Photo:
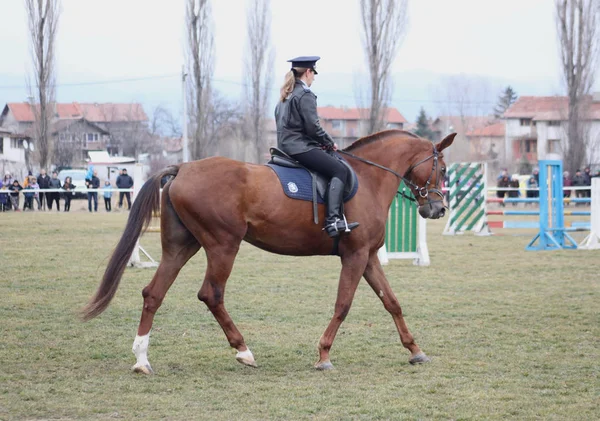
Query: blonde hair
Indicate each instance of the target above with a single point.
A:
(289, 81)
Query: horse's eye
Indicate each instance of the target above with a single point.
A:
(443, 170)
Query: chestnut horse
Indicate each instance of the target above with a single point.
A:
(217, 202)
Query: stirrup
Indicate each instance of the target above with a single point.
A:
(334, 229)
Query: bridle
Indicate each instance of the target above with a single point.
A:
(424, 191)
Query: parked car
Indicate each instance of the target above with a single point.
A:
(78, 178)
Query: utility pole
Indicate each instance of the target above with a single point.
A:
(184, 139)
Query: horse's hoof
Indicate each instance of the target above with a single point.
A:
(144, 369)
(324, 365)
(246, 358)
(420, 358)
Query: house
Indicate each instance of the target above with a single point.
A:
(346, 125)
(14, 152)
(487, 144)
(118, 128)
(536, 128)
(75, 138)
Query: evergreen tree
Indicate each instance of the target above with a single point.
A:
(423, 129)
(505, 100)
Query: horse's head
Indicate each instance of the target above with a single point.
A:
(425, 178)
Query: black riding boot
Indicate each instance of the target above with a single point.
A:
(335, 222)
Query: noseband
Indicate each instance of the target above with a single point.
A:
(424, 191)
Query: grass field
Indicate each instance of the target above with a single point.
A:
(511, 334)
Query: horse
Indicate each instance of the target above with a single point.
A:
(216, 203)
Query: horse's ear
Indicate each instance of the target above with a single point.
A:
(447, 141)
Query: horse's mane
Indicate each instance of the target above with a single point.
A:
(378, 136)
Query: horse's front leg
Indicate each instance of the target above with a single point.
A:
(353, 266)
(376, 278)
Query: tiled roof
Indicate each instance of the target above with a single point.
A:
(335, 113)
(493, 130)
(96, 113)
(547, 108)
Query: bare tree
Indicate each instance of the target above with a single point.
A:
(577, 22)
(42, 16)
(200, 43)
(465, 103)
(384, 26)
(163, 123)
(258, 71)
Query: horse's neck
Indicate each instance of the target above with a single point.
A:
(396, 156)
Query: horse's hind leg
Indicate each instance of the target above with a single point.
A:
(220, 258)
(376, 278)
(178, 246)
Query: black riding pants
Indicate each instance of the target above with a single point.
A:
(325, 164)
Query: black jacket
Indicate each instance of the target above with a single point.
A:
(298, 127)
(93, 183)
(43, 181)
(124, 181)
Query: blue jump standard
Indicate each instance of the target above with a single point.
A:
(553, 234)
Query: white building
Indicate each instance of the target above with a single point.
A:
(12, 153)
(536, 128)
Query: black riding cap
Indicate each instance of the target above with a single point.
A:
(307, 62)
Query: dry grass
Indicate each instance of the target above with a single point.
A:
(512, 334)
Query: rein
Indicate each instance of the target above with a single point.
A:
(422, 191)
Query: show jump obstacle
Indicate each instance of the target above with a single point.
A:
(468, 208)
(405, 232)
(552, 235)
(467, 198)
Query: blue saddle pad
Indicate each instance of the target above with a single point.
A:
(297, 183)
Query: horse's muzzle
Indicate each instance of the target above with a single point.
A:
(432, 210)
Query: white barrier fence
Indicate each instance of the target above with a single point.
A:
(592, 241)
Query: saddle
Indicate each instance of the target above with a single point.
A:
(298, 182)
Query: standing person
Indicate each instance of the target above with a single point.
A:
(36, 196)
(567, 183)
(69, 189)
(7, 181)
(124, 181)
(514, 184)
(26, 180)
(532, 187)
(107, 196)
(503, 183)
(578, 181)
(587, 177)
(54, 196)
(27, 197)
(44, 182)
(300, 135)
(3, 196)
(15, 188)
(93, 183)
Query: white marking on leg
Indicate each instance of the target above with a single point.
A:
(246, 357)
(381, 293)
(140, 349)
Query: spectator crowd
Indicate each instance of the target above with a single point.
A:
(32, 190)
(508, 186)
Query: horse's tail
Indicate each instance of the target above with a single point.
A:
(146, 203)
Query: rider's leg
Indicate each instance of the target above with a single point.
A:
(320, 161)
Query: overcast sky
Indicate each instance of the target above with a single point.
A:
(508, 41)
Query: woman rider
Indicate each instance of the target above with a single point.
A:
(300, 135)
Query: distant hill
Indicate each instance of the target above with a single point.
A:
(412, 90)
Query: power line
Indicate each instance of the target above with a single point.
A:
(100, 82)
(242, 84)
